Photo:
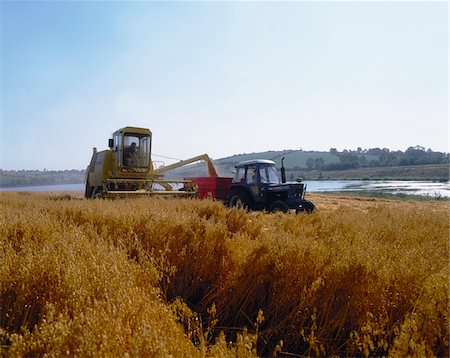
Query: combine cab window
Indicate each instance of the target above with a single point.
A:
(136, 150)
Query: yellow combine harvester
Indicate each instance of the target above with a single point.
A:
(126, 168)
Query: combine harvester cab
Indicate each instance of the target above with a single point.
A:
(126, 168)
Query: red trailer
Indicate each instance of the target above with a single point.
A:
(216, 188)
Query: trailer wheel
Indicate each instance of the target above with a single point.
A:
(279, 206)
(239, 199)
(306, 206)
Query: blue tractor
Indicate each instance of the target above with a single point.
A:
(257, 186)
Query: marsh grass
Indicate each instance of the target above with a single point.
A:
(160, 277)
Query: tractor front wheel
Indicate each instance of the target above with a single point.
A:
(306, 206)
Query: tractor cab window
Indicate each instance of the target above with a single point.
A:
(263, 176)
(239, 175)
(136, 150)
(272, 175)
(251, 174)
(268, 175)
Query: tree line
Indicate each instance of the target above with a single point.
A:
(15, 178)
(376, 157)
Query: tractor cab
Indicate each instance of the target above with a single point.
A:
(132, 149)
(257, 186)
(256, 172)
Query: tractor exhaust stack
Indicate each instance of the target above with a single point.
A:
(283, 171)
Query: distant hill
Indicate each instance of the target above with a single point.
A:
(293, 158)
(375, 163)
(414, 163)
(426, 172)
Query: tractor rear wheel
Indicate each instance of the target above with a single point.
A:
(239, 199)
(279, 206)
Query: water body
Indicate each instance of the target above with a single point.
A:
(59, 187)
(433, 189)
(422, 188)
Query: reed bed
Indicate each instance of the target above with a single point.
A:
(170, 277)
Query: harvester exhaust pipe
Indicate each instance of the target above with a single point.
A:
(283, 171)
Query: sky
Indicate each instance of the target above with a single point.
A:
(220, 78)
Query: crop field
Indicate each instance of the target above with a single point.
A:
(158, 277)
